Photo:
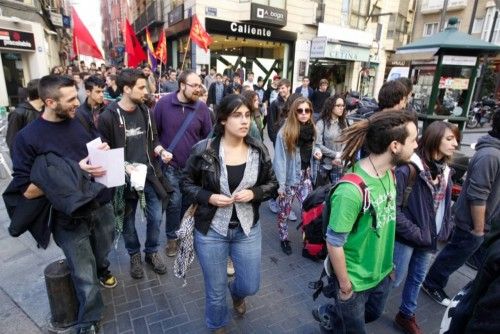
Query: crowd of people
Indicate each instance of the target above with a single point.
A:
(201, 143)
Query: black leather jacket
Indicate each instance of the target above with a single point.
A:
(201, 179)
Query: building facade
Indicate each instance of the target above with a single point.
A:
(35, 36)
(114, 13)
(344, 41)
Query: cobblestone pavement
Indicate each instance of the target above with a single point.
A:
(160, 304)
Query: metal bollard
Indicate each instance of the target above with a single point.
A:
(61, 293)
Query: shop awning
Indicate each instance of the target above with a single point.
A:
(415, 54)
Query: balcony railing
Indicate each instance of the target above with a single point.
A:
(436, 6)
(152, 16)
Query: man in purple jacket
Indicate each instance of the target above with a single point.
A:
(170, 113)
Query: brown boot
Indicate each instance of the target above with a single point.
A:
(407, 324)
(171, 248)
(221, 330)
(238, 303)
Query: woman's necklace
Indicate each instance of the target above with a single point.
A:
(387, 194)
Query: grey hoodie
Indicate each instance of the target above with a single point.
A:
(482, 185)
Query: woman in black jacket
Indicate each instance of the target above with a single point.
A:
(422, 214)
(228, 177)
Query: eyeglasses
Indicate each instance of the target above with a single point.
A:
(303, 111)
(340, 105)
(194, 86)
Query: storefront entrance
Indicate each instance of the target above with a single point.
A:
(14, 76)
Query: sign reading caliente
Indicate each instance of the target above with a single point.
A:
(248, 30)
(244, 28)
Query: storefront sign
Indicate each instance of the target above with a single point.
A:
(18, 40)
(56, 19)
(453, 83)
(176, 15)
(318, 47)
(459, 60)
(270, 15)
(210, 11)
(232, 28)
(346, 52)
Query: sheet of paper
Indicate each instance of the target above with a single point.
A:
(94, 143)
(113, 162)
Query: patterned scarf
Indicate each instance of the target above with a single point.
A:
(438, 190)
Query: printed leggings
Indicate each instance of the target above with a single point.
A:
(300, 191)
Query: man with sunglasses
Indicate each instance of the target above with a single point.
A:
(179, 130)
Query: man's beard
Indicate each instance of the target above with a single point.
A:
(62, 113)
(194, 97)
(398, 158)
(136, 101)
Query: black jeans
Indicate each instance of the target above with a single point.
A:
(462, 245)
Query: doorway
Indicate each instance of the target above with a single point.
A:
(14, 77)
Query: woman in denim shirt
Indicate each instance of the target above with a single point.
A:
(293, 159)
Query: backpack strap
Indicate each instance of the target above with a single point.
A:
(412, 177)
(187, 121)
(366, 207)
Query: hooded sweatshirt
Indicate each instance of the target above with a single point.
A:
(482, 185)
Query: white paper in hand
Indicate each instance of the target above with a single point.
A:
(112, 161)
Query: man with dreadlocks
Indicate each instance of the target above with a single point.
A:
(361, 246)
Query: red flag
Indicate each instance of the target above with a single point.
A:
(83, 43)
(199, 35)
(161, 48)
(133, 48)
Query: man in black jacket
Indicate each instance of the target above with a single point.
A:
(93, 106)
(26, 112)
(129, 124)
(85, 241)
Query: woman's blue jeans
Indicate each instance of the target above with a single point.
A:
(412, 263)
(213, 250)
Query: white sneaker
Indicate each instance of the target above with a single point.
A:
(273, 206)
(292, 217)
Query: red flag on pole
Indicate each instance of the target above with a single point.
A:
(199, 35)
(161, 48)
(133, 48)
(83, 43)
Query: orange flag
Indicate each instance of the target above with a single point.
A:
(199, 35)
(161, 48)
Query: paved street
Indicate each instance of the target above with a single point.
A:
(160, 304)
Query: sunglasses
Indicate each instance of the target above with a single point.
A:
(303, 111)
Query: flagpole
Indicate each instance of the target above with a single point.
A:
(185, 54)
(159, 79)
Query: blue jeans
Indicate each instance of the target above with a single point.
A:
(462, 245)
(153, 222)
(85, 244)
(364, 307)
(410, 263)
(102, 240)
(213, 250)
(176, 206)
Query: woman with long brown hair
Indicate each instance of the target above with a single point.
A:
(329, 127)
(423, 216)
(293, 159)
